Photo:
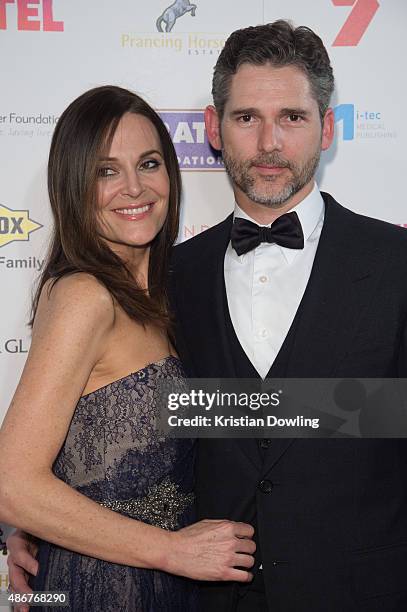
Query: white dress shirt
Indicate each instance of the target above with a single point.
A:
(265, 286)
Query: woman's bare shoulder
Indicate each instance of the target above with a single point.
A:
(76, 296)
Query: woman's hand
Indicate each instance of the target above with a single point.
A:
(212, 550)
(22, 549)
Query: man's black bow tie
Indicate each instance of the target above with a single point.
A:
(286, 231)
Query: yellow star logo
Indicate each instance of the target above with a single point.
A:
(15, 225)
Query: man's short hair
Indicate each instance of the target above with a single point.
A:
(279, 44)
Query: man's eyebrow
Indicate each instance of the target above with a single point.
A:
(294, 111)
(244, 111)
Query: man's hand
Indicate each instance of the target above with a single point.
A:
(21, 563)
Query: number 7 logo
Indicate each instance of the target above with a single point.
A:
(357, 23)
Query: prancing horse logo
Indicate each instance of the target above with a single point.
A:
(174, 12)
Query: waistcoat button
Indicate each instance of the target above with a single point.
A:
(265, 486)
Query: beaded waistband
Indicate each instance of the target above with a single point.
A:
(162, 506)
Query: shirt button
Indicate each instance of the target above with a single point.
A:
(265, 443)
(263, 333)
(265, 486)
(263, 279)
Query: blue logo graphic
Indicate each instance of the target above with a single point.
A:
(365, 121)
(187, 130)
(346, 114)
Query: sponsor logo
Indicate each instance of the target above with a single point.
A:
(15, 225)
(39, 119)
(14, 345)
(166, 38)
(26, 263)
(357, 22)
(28, 15)
(39, 124)
(361, 124)
(177, 9)
(187, 130)
(192, 44)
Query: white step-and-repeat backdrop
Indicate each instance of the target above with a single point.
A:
(53, 50)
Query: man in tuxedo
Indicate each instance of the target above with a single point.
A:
(316, 291)
(294, 285)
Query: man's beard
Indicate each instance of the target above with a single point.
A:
(239, 174)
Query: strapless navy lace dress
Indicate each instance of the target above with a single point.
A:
(114, 455)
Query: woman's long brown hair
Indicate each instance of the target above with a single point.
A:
(83, 132)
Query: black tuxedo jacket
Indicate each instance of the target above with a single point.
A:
(331, 524)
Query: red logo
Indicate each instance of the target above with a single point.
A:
(29, 17)
(357, 23)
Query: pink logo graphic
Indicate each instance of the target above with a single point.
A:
(357, 23)
(28, 17)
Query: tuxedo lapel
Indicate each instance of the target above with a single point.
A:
(337, 293)
(200, 308)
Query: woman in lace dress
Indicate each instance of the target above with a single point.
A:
(84, 468)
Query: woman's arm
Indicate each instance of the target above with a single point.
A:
(69, 335)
